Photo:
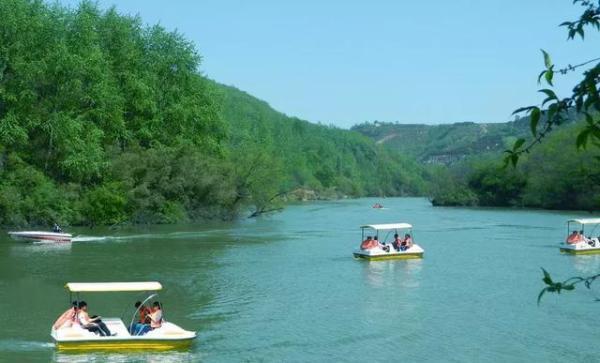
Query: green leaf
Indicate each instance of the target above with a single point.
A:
(547, 60)
(550, 93)
(534, 120)
(548, 76)
(519, 110)
(518, 144)
(540, 296)
(542, 73)
(582, 139)
(514, 159)
(547, 278)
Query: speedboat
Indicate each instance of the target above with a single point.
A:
(383, 249)
(39, 236)
(586, 242)
(72, 337)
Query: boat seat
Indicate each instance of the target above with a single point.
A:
(116, 325)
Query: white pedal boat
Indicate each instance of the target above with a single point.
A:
(587, 243)
(385, 250)
(40, 236)
(72, 337)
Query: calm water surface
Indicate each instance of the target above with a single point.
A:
(286, 288)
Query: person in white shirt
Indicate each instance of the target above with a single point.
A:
(156, 316)
(93, 324)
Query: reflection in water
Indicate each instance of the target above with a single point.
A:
(393, 272)
(26, 249)
(586, 264)
(147, 357)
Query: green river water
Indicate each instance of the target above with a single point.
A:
(285, 288)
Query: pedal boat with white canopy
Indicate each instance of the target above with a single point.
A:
(385, 250)
(588, 242)
(72, 337)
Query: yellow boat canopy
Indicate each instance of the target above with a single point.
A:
(586, 221)
(389, 226)
(113, 286)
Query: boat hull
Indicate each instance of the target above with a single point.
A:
(37, 236)
(389, 253)
(124, 344)
(589, 247)
(404, 256)
(572, 251)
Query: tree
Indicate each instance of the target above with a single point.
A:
(584, 99)
(554, 111)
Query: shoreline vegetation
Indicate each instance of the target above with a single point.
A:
(105, 120)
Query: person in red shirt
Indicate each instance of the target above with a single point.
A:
(144, 314)
(367, 244)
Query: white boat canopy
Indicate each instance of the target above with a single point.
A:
(586, 221)
(113, 286)
(389, 226)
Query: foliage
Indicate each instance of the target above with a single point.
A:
(104, 120)
(305, 155)
(585, 97)
(445, 143)
(567, 285)
(553, 176)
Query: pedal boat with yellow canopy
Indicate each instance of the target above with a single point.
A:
(73, 337)
(589, 241)
(385, 250)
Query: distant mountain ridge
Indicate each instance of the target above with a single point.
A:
(445, 143)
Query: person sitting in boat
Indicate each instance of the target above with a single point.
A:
(406, 243)
(155, 320)
(583, 237)
(397, 244)
(376, 243)
(56, 228)
(93, 324)
(367, 244)
(144, 319)
(574, 238)
(68, 318)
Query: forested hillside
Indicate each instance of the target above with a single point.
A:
(555, 175)
(444, 143)
(105, 120)
(447, 143)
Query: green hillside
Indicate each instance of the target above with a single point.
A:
(445, 143)
(104, 120)
(315, 156)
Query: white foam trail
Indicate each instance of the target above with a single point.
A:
(88, 238)
(13, 345)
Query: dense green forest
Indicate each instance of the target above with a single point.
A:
(465, 167)
(105, 120)
(555, 175)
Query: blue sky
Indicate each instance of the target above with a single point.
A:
(344, 62)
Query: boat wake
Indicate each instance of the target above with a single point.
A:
(13, 345)
(88, 238)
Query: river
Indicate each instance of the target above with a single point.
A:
(285, 287)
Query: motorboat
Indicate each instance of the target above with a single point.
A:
(579, 241)
(374, 247)
(73, 337)
(378, 206)
(40, 236)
